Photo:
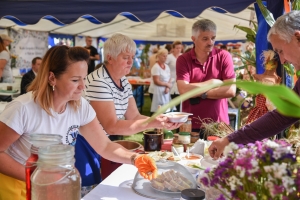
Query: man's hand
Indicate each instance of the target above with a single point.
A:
(217, 147)
(146, 166)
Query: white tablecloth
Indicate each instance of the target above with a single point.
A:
(117, 186)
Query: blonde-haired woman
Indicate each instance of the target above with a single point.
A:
(5, 69)
(160, 85)
(54, 97)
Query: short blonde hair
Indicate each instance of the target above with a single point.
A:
(117, 44)
(162, 51)
(56, 60)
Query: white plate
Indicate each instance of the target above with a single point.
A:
(178, 116)
(165, 191)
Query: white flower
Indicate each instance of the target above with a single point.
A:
(270, 186)
(229, 148)
(272, 144)
(287, 183)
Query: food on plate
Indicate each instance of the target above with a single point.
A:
(194, 165)
(160, 155)
(171, 181)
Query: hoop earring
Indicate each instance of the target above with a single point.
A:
(53, 87)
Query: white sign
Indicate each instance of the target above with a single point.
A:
(28, 45)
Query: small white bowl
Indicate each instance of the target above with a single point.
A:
(193, 157)
(207, 161)
(178, 117)
(188, 165)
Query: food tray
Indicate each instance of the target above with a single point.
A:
(143, 186)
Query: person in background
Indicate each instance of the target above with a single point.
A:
(284, 36)
(93, 53)
(169, 48)
(201, 66)
(5, 69)
(161, 82)
(224, 47)
(152, 58)
(54, 97)
(29, 76)
(171, 62)
(109, 92)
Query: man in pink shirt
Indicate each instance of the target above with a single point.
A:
(201, 66)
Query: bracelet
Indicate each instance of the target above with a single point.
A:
(132, 159)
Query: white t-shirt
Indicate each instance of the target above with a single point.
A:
(164, 75)
(7, 73)
(171, 61)
(26, 117)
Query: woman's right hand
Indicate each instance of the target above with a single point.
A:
(162, 122)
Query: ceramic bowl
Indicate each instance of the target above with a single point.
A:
(178, 117)
(189, 165)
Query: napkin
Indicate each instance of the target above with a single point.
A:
(198, 147)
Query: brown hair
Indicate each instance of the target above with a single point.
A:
(177, 42)
(34, 60)
(56, 60)
(2, 46)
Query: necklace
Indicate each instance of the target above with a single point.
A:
(63, 110)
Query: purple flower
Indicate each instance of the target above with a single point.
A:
(221, 197)
(204, 181)
(207, 170)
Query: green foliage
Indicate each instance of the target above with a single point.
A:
(251, 34)
(266, 13)
(286, 101)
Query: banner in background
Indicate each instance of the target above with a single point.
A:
(28, 45)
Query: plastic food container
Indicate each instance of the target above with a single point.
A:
(184, 137)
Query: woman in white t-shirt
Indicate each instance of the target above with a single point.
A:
(160, 85)
(54, 105)
(171, 61)
(5, 69)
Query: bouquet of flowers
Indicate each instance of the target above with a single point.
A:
(264, 170)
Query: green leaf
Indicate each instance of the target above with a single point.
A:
(296, 5)
(286, 100)
(266, 13)
(289, 69)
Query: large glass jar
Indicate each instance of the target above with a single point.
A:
(37, 141)
(187, 126)
(56, 177)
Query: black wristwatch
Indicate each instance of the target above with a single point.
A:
(204, 95)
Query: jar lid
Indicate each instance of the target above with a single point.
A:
(192, 194)
(212, 138)
(184, 133)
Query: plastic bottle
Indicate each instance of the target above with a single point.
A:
(37, 141)
(56, 177)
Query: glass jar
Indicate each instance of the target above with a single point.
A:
(37, 141)
(175, 139)
(56, 177)
(184, 137)
(194, 137)
(187, 126)
(179, 149)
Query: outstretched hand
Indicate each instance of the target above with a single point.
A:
(217, 147)
(146, 166)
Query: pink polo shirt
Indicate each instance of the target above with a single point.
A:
(219, 65)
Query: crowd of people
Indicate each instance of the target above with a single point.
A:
(53, 91)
